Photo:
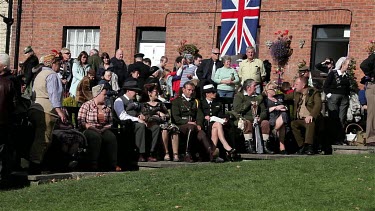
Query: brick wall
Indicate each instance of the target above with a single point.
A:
(3, 26)
(43, 21)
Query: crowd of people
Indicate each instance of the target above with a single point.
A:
(183, 106)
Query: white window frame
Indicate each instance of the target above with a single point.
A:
(72, 42)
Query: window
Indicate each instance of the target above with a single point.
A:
(331, 41)
(79, 39)
(151, 42)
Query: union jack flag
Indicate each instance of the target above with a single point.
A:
(239, 24)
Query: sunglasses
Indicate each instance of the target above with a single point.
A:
(67, 53)
(216, 53)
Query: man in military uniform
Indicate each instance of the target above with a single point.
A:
(307, 104)
(188, 116)
(215, 119)
(250, 106)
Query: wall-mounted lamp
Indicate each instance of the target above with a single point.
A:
(301, 43)
(269, 43)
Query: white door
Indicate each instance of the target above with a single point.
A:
(153, 51)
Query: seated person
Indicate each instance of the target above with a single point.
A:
(156, 113)
(213, 108)
(188, 116)
(106, 77)
(251, 107)
(95, 118)
(307, 104)
(127, 109)
(278, 116)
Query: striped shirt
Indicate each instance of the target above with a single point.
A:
(187, 70)
(88, 114)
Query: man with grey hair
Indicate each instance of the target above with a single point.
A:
(206, 70)
(252, 68)
(6, 109)
(250, 107)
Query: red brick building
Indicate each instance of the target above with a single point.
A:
(326, 27)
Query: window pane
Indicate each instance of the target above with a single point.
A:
(88, 38)
(330, 32)
(153, 35)
(333, 50)
(96, 36)
(78, 40)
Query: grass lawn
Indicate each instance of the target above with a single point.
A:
(340, 182)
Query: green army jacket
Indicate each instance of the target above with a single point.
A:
(313, 102)
(242, 105)
(183, 110)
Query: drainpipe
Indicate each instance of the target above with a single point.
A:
(118, 27)
(18, 33)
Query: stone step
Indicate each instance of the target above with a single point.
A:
(268, 156)
(342, 149)
(166, 164)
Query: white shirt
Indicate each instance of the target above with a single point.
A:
(120, 110)
(187, 99)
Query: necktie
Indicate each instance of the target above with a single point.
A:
(213, 71)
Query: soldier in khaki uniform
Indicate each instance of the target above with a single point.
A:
(245, 104)
(307, 104)
(188, 116)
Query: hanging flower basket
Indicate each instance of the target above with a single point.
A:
(185, 48)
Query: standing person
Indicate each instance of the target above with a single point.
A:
(94, 60)
(84, 93)
(144, 70)
(304, 71)
(161, 67)
(119, 67)
(188, 70)
(80, 69)
(226, 77)
(30, 62)
(307, 107)
(7, 105)
(326, 66)
(147, 61)
(66, 70)
(176, 75)
(337, 89)
(96, 119)
(46, 109)
(207, 69)
(368, 68)
(252, 68)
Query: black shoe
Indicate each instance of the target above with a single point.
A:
(309, 149)
(283, 152)
(188, 158)
(266, 148)
(249, 146)
(34, 169)
(301, 150)
(218, 160)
